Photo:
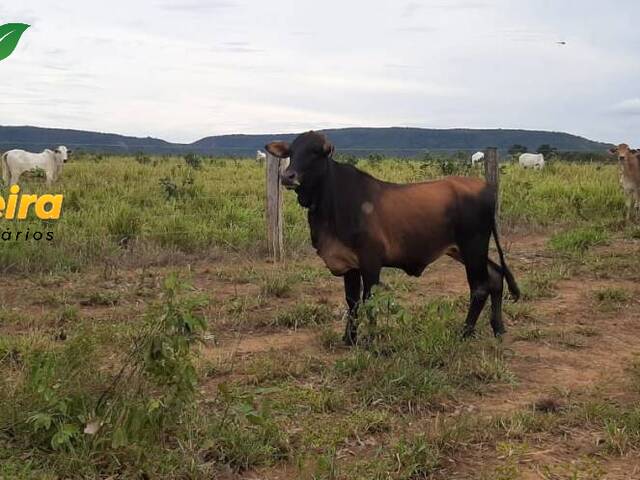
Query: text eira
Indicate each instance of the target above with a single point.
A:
(46, 207)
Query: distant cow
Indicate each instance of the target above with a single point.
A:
(629, 165)
(260, 156)
(16, 162)
(532, 160)
(360, 224)
(477, 157)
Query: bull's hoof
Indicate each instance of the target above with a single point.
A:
(350, 339)
(468, 332)
(500, 333)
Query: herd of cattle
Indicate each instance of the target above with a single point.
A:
(360, 224)
(526, 160)
(16, 162)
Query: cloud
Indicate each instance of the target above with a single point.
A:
(410, 9)
(199, 6)
(417, 29)
(460, 5)
(629, 107)
(237, 47)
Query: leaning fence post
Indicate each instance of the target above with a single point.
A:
(492, 175)
(274, 209)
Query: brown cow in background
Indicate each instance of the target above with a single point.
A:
(360, 224)
(629, 164)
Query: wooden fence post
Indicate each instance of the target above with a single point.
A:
(492, 175)
(274, 209)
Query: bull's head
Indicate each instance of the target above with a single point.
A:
(62, 153)
(309, 155)
(622, 151)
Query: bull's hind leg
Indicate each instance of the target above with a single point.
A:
(496, 286)
(352, 287)
(475, 256)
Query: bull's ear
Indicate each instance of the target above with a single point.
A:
(278, 149)
(634, 151)
(328, 148)
(613, 150)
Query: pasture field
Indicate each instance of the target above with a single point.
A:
(152, 339)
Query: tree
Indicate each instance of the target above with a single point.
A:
(517, 149)
(546, 150)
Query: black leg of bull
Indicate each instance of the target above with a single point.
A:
(352, 287)
(370, 277)
(496, 285)
(478, 298)
(475, 255)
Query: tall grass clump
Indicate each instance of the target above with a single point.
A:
(561, 194)
(578, 241)
(418, 357)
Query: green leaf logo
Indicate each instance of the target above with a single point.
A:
(10, 34)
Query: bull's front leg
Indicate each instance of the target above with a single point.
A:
(370, 277)
(352, 287)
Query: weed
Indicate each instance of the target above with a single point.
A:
(611, 298)
(98, 298)
(192, 160)
(534, 334)
(276, 286)
(578, 241)
(142, 158)
(304, 315)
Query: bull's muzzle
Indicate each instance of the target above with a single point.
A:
(289, 179)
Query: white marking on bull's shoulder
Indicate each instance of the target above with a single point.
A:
(367, 207)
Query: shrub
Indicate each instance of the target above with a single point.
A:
(142, 158)
(192, 160)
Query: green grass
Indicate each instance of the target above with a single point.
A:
(578, 241)
(611, 298)
(118, 208)
(397, 399)
(303, 315)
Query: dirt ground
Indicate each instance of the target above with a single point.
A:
(568, 346)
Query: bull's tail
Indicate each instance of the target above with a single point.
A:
(511, 281)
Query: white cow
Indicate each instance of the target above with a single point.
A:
(532, 160)
(16, 162)
(477, 157)
(261, 156)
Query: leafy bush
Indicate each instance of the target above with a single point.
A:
(192, 160)
(63, 404)
(142, 158)
(182, 188)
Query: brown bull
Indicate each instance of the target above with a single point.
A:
(360, 224)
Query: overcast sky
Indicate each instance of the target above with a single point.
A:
(181, 70)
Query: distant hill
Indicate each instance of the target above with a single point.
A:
(36, 139)
(391, 141)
